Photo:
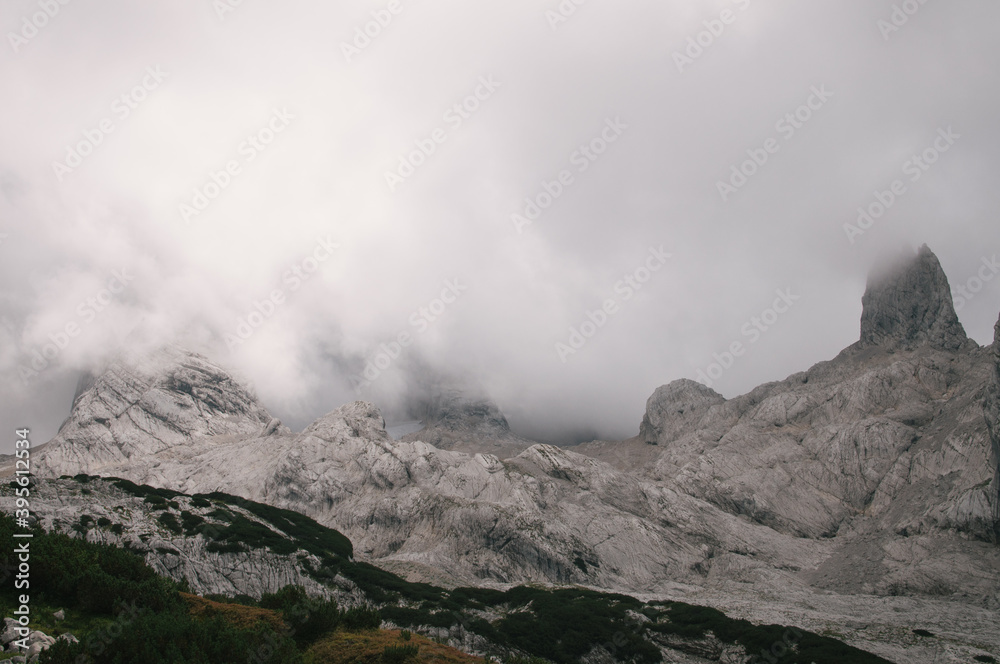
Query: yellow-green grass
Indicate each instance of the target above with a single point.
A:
(367, 648)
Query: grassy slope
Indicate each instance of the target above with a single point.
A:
(368, 648)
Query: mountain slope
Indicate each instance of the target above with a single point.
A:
(564, 625)
(884, 451)
(458, 423)
(874, 473)
(150, 404)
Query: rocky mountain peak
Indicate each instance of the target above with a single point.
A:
(674, 407)
(910, 305)
(462, 421)
(458, 410)
(359, 419)
(147, 402)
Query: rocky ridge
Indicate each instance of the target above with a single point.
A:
(874, 473)
(885, 452)
(457, 422)
(163, 403)
(992, 414)
(105, 513)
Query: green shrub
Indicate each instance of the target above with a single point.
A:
(405, 635)
(142, 491)
(104, 522)
(306, 533)
(361, 619)
(169, 521)
(90, 577)
(192, 522)
(417, 617)
(284, 599)
(310, 618)
(176, 636)
(225, 547)
(564, 625)
(382, 586)
(396, 654)
(153, 625)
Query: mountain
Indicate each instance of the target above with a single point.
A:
(884, 452)
(456, 422)
(872, 476)
(161, 403)
(279, 578)
(909, 304)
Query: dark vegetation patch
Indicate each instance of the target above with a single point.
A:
(151, 619)
(560, 625)
(169, 521)
(318, 540)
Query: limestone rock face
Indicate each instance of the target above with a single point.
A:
(456, 422)
(911, 305)
(673, 408)
(545, 515)
(887, 445)
(992, 412)
(131, 522)
(146, 405)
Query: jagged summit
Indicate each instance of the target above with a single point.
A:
(144, 403)
(455, 420)
(675, 408)
(910, 305)
(455, 409)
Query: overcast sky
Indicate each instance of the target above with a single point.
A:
(166, 167)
